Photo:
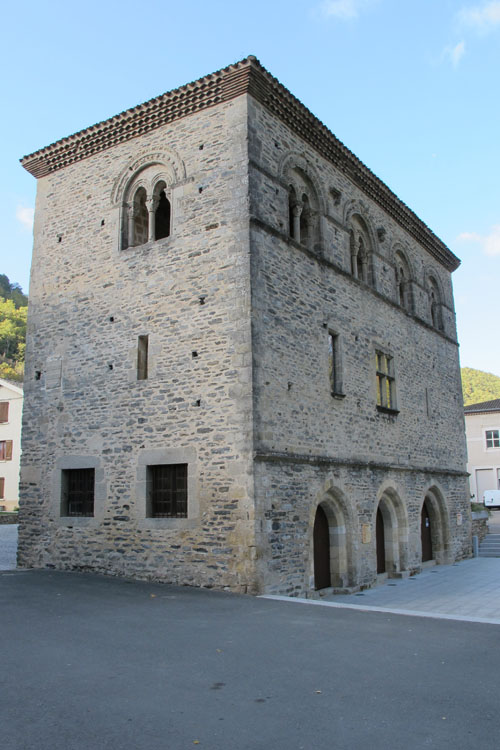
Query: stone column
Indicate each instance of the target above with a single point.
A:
(151, 206)
(297, 210)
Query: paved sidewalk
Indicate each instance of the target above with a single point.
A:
(8, 546)
(469, 590)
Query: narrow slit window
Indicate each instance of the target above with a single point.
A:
(334, 364)
(142, 358)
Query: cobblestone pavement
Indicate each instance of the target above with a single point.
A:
(8, 546)
(468, 590)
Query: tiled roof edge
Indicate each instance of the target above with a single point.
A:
(245, 76)
(484, 406)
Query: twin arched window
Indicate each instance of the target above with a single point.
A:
(147, 212)
(302, 209)
(360, 250)
(403, 282)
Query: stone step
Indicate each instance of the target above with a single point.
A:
(490, 546)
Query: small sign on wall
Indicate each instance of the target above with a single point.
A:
(366, 533)
(459, 519)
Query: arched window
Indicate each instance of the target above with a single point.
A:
(139, 233)
(162, 212)
(435, 304)
(361, 251)
(146, 207)
(293, 214)
(403, 282)
(303, 221)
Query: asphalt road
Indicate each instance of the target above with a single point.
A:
(95, 662)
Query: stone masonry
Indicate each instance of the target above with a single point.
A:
(302, 360)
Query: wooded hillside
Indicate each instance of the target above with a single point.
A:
(478, 386)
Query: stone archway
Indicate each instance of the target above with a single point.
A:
(331, 541)
(391, 537)
(434, 509)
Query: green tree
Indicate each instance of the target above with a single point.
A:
(12, 339)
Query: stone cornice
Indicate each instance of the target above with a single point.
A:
(311, 460)
(244, 77)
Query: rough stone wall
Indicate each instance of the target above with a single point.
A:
(344, 446)
(89, 302)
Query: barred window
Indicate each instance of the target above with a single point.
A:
(77, 492)
(386, 386)
(167, 490)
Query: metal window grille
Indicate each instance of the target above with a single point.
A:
(78, 492)
(168, 483)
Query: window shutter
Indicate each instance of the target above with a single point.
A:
(8, 450)
(2, 488)
(4, 411)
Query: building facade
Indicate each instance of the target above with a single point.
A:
(242, 349)
(482, 426)
(11, 409)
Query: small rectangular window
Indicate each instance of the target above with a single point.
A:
(4, 411)
(77, 492)
(5, 450)
(386, 385)
(492, 438)
(167, 490)
(142, 358)
(335, 364)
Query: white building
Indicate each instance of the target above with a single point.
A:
(11, 409)
(482, 424)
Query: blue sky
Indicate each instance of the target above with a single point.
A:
(411, 86)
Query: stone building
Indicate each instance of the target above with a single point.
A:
(242, 365)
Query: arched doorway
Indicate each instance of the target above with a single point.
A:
(426, 533)
(380, 541)
(391, 533)
(435, 527)
(321, 545)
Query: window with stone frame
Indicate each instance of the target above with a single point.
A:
(386, 382)
(492, 438)
(142, 357)
(167, 491)
(77, 492)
